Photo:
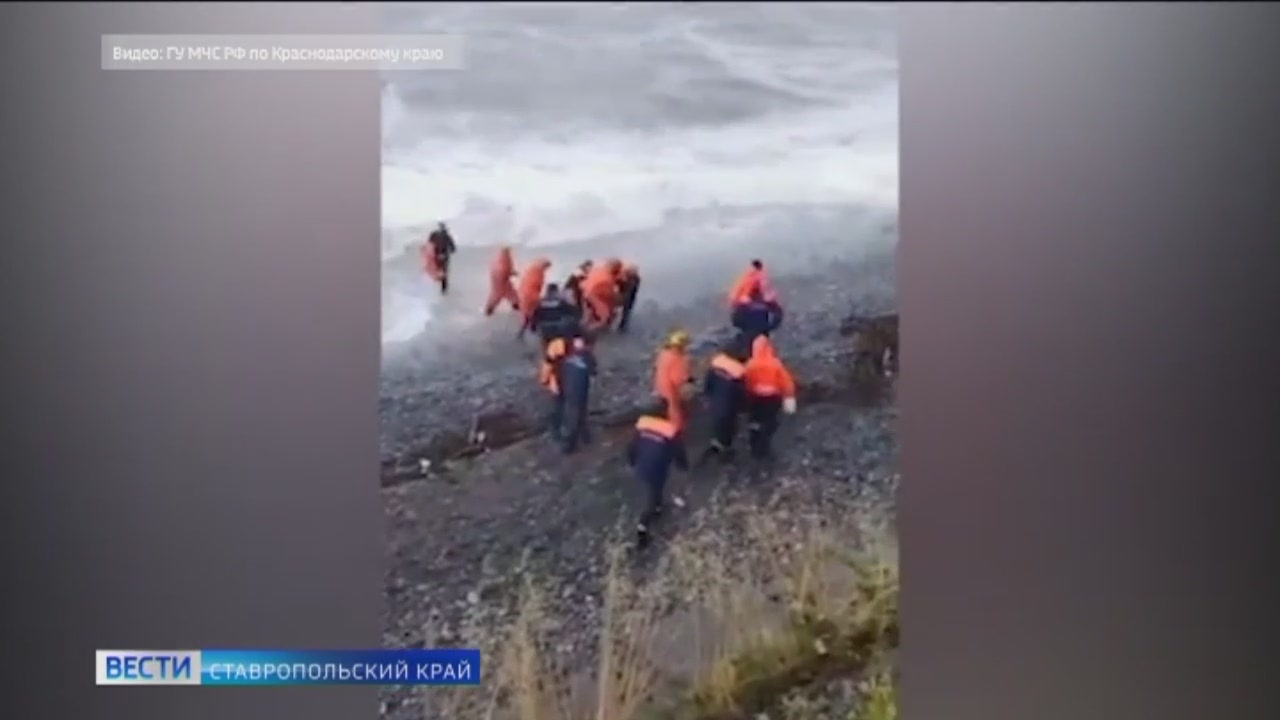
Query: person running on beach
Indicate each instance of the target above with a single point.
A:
(436, 253)
(530, 292)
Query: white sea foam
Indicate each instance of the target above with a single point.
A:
(826, 133)
(542, 193)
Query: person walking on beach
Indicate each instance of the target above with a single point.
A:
(530, 292)
(656, 446)
(673, 378)
(725, 388)
(500, 287)
(576, 369)
(771, 392)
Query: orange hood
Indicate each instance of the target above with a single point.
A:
(538, 267)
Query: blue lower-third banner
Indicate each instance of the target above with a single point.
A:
(448, 666)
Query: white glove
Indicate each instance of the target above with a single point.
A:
(789, 406)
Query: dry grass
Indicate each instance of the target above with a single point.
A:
(748, 615)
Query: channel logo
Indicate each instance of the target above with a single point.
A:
(148, 667)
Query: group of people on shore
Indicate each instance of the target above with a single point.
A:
(744, 377)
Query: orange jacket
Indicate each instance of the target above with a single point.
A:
(671, 372)
(601, 283)
(531, 284)
(766, 376)
(749, 281)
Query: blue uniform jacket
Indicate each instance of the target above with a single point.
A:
(554, 317)
(656, 446)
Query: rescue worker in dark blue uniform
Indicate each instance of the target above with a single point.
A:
(576, 370)
(725, 388)
(756, 317)
(655, 447)
(555, 317)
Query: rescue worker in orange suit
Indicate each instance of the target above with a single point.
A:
(757, 316)
(600, 291)
(628, 288)
(673, 377)
(771, 392)
(656, 446)
(572, 365)
(530, 293)
(555, 317)
(573, 285)
(436, 253)
(725, 389)
(500, 287)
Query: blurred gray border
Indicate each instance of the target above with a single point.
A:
(1086, 227)
(194, 265)
(1086, 249)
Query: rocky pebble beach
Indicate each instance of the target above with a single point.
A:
(477, 499)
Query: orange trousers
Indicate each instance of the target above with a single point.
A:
(501, 289)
